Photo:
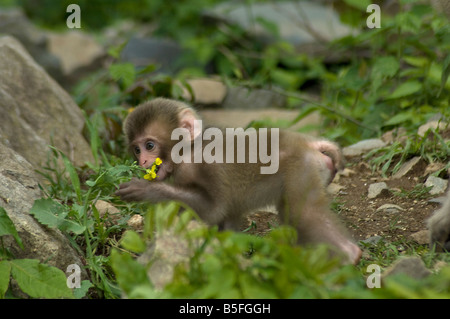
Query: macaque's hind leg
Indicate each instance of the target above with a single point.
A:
(439, 226)
(306, 207)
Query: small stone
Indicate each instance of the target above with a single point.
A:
(406, 167)
(136, 222)
(206, 91)
(435, 125)
(346, 172)
(390, 208)
(438, 185)
(372, 240)
(438, 200)
(363, 147)
(106, 208)
(421, 237)
(377, 189)
(413, 267)
(434, 167)
(334, 188)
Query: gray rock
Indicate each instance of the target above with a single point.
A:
(144, 51)
(18, 191)
(372, 240)
(244, 98)
(421, 237)
(413, 267)
(363, 147)
(432, 125)
(36, 111)
(297, 22)
(13, 22)
(390, 208)
(406, 167)
(438, 185)
(377, 189)
(206, 91)
(78, 52)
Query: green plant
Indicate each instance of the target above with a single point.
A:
(36, 279)
(431, 147)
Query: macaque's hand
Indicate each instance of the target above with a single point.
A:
(138, 190)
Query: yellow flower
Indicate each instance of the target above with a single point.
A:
(151, 172)
(150, 175)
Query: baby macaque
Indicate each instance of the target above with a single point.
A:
(439, 227)
(223, 174)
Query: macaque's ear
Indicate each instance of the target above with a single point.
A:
(187, 118)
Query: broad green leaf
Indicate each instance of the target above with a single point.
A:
(53, 214)
(385, 67)
(419, 62)
(399, 118)
(39, 280)
(123, 71)
(82, 291)
(7, 227)
(5, 272)
(129, 272)
(133, 242)
(405, 89)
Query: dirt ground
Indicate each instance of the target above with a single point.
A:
(360, 213)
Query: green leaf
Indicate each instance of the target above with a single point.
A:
(7, 227)
(82, 291)
(72, 173)
(385, 67)
(358, 4)
(115, 51)
(445, 73)
(405, 89)
(129, 272)
(5, 273)
(53, 214)
(133, 242)
(419, 62)
(123, 71)
(399, 118)
(39, 280)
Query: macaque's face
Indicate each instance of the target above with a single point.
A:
(149, 146)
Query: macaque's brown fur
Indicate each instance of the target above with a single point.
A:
(439, 227)
(222, 193)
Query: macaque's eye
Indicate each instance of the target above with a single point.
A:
(137, 150)
(149, 146)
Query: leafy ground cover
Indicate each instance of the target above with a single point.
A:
(392, 77)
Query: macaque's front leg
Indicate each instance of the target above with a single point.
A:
(142, 190)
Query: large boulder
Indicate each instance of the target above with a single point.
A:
(14, 22)
(18, 191)
(36, 111)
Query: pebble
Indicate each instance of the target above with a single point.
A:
(377, 189)
(390, 208)
(439, 185)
